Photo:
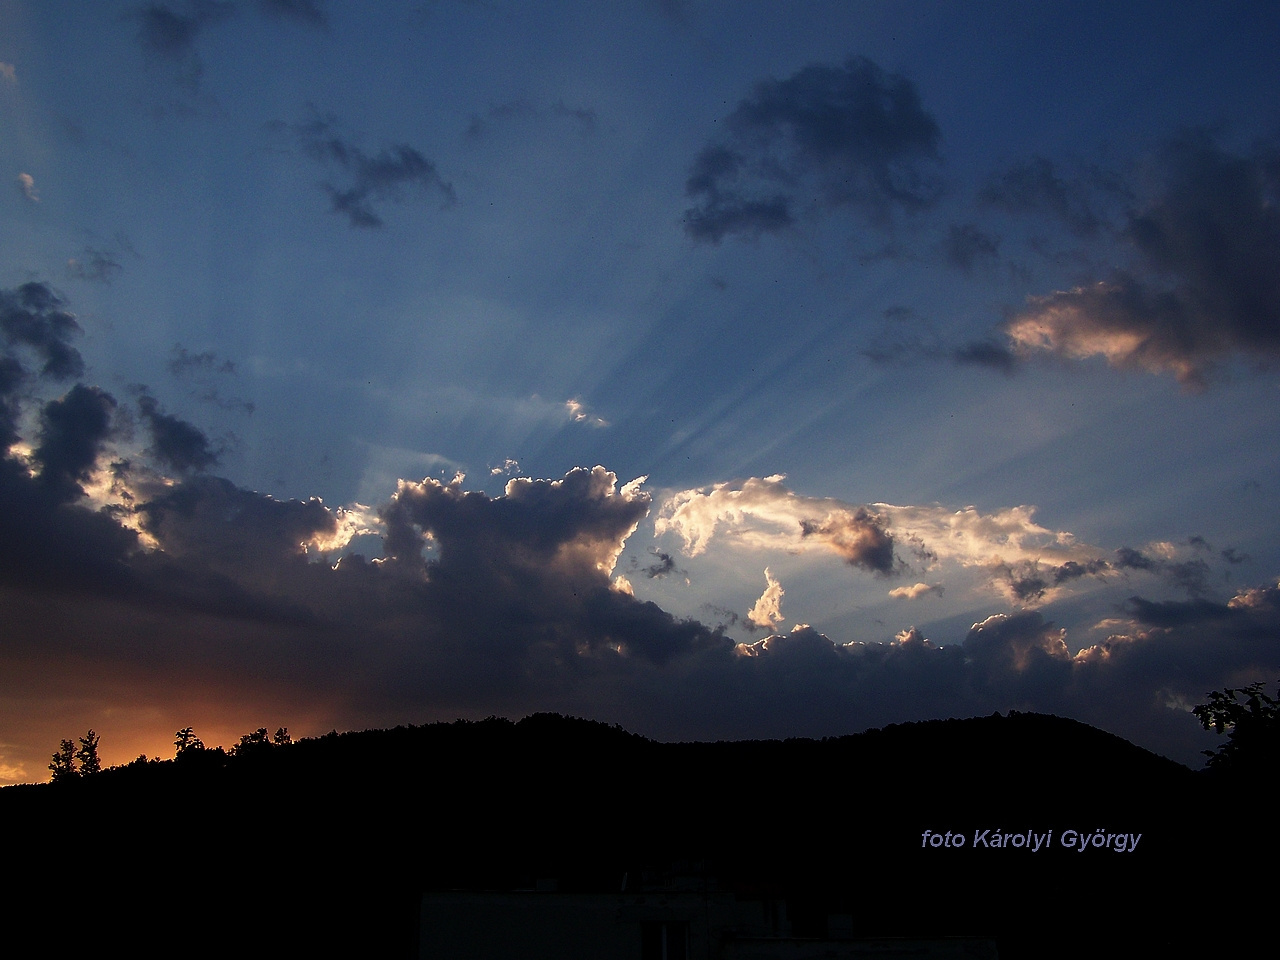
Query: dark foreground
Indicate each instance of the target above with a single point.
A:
(366, 844)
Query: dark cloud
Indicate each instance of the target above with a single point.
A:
(1206, 280)
(33, 316)
(906, 339)
(860, 537)
(382, 177)
(204, 370)
(1028, 582)
(176, 443)
(184, 363)
(73, 430)
(169, 37)
(850, 136)
(573, 525)
(101, 264)
(97, 266)
(967, 247)
(234, 531)
(986, 353)
(665, 564)
(1018, 650)
(164, 31)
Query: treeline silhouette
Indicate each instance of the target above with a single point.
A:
(324, 845)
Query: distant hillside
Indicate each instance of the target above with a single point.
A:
(330, 841)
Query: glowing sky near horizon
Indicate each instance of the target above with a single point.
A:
(720, 369)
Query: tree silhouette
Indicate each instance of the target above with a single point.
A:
(253, 744)
(88, 755)
(64, 763)
(1251, 720)
(186, 739)
(282, 738)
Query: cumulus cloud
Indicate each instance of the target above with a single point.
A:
(369, 179)
(1205, 282)
(237, 533)
(574, 528)
(850, 136)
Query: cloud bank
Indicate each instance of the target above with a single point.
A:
(134, 575)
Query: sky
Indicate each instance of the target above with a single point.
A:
(721, 369)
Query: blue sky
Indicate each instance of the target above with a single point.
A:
(958, 320)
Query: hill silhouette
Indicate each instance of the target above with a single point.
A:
(325, 845)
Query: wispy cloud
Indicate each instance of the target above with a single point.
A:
(369, 180)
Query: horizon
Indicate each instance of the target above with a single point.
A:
(705, 369)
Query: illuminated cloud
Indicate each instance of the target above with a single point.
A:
(915, 591)
(579, 413)
(846, 136)
(508, 467)
(761, 513)
(767, 611)
(1206, 282)
(8, 73)
(27, 187)
(1020, 560)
